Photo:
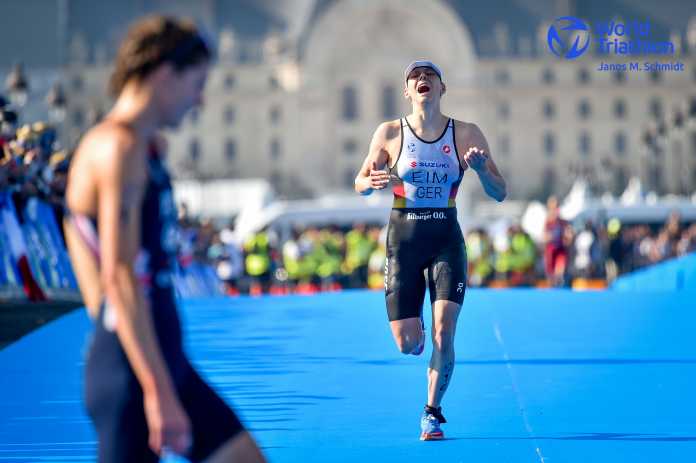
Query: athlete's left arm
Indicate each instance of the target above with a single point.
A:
(474, 151)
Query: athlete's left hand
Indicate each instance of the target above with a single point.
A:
(476, 158)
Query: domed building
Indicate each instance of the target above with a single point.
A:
(300, 86)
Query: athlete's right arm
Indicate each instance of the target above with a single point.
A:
(120, 185)
(371, 175)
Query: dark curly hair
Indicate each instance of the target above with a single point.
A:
(153, 41)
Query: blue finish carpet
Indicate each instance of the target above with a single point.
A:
(541, 376)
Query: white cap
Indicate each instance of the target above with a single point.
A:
(422, 64)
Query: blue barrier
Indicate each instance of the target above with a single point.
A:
(45, 217)
(197, 280)
(672, 275)
(43, 245)
(47, 254)
(10, 280)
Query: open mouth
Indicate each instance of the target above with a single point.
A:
(423, 88)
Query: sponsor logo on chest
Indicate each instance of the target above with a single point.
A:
(430, 164)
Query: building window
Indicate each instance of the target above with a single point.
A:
(656, 108)
(194, 150)
(620, 180)
(584, 144)
(655, 77)
(275, 115)
(693, 144)
(230, 149)
(549, 144)
(275, 149)
(273, 83)
(194, 115)
(584, 109)
(620, 77)
(94, 115)
(620, 144)
(276, 178)
(78, 84)
(504, 145)
(548, 109)
(620, 109)
(229, 115)
(349, 178)
(350, 147)
(502, 76)
(78, 117)
(548, 76)
(230, 81)
(503, 111)
(549, 182)
(349, 108)
(583, 76)
(655, 178)
(389, 110)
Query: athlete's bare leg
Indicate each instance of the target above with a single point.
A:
(407, 334)
(445, 315)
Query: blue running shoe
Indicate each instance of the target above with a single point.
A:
(421, 346)
(430, 424)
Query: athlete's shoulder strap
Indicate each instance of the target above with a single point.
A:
(401, 145)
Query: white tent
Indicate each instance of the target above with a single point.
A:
(533, 220)
(631, 207)
(633, 194)
(340, 209)
(223, 198)
(577, 200)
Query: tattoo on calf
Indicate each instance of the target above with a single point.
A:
(447, 374)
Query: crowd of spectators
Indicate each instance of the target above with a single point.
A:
(599, 252)
(311, 259)
(330, 257)
(32, 164)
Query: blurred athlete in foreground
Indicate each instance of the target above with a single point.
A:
(142, 394)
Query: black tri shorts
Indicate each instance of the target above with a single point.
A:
(423, 246)
(114, 398)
